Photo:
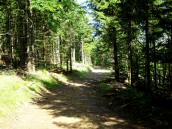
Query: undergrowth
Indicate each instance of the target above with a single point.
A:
(79, 72)
(16, 90)
(136, 106)
(17, 87)
(127, 99)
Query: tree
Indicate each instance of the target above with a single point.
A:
(143, 37)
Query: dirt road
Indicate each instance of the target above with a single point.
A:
(75, 105)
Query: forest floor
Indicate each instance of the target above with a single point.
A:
(75, 105)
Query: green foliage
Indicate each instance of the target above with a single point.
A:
(43, 78)
(105, 88)
(100, 50)
(15, 90)
(143, 40)
(126, 100)
(50, 5)
(80, 71)
(134, 103)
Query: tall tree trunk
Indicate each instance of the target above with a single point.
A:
(136, 68)
(53, 58)
(154, 64)
(147, 56)
(8, 43)
(23, 32)
(82, 52)
(60, 51)
(130, 58)
(31, 39)
(164, 66)
(170, 63)
(70, 58)
(115, 54)
(44, 51)
(67, 64)
(74, 53)
(170, 75)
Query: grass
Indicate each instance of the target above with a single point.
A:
(15, 90)
(105, 87)
(42, 79)
(80, 71)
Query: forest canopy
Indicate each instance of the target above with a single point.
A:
(74, 54)
(132, 37)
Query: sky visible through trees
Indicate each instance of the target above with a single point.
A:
(81, 1)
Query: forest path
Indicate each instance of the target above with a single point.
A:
(76, 105)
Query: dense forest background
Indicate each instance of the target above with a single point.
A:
(131, 38)
(43, 34)
(134, 37)
(138, 35)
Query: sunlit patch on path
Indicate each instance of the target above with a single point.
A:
(76, 105)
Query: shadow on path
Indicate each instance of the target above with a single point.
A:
(78, 105)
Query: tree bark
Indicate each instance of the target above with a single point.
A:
(31, 40)
(82, 52)
(115, 54)
(170, 54)
(60, 51)
(67, 64)
(147, 56)
(130, 57)
(70, 58)
(154, 64)
(23, 32)
(8, 43)
(74, 53)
